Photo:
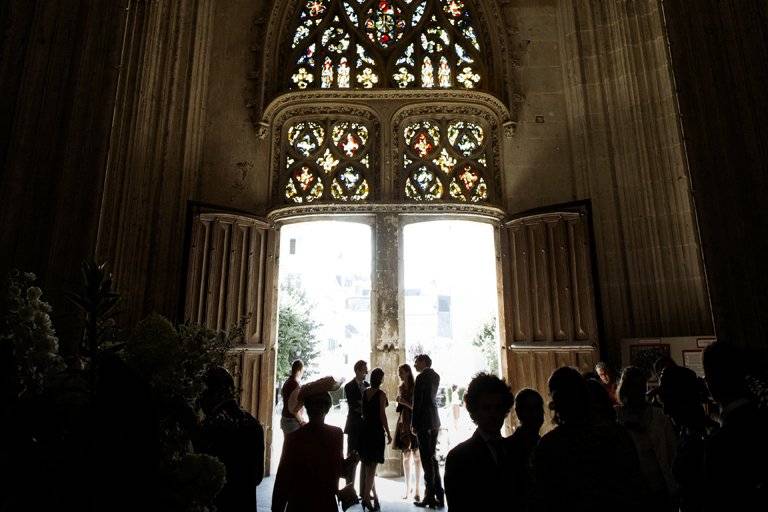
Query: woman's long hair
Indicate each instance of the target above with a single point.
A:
(408, 382)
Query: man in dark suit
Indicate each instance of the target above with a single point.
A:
(353, 392)
(425, 422)
(234, 437)
(478, 472)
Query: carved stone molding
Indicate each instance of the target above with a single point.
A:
(423, 209)
(404, 96)
(530, 220)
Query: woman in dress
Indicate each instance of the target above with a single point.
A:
(372, 437)
(311, 463)
(291, 421)
(405, 439)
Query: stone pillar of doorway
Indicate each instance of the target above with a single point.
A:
(387, 346)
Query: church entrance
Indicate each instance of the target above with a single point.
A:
(384, 282)
(324, 308)
(451, 310)
(439, 278)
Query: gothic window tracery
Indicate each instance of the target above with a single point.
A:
(443, 150)
(365, 44)
(326, 160)
(445, 159)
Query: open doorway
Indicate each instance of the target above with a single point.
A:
(451, 311)
(324, 314)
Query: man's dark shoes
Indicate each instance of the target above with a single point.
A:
(425, 503)
(439, 503)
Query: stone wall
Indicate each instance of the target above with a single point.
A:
(598, 121)
(628, 159)
(538, 169)
(234, 171)
(720, 55)
(59, 69)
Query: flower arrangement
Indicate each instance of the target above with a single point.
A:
(57, 406)
(27, 337)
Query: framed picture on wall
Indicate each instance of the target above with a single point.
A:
(643, 355)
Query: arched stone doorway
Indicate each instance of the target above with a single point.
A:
(341, 144)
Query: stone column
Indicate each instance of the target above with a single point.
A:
(155, 151)
(629, 159)
(387, 349)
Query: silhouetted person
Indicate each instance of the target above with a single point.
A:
(426, 423)
(529, 409)
(311, 464)
(579, 466)
(353, 392)
(680, 396)
(234, 437)
(478, 472)
(371, 448)
(659, 365)
(653, 435)
(124, 437)
(608, 379)
(736, 456)
(290, 421)
(601, 406)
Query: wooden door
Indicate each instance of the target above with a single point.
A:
(549, 315)
(231, 279)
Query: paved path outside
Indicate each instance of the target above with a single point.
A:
(390, 491)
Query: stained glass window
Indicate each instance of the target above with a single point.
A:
(327, 160)
(344, 44)
(445, 160)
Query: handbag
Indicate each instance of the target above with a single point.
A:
(347, 496)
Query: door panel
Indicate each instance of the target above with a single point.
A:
(230, 280)
(550, 317)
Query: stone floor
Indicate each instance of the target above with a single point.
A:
(390, 493)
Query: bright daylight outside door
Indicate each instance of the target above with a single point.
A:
(324, 300)
(451, 311)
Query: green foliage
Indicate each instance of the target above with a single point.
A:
(296, 337)
(173, 359)
(192, 482)
(97, 303)
(169, 363)
(488, 343)
(27, 338)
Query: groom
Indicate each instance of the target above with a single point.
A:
(353, 392)
(425, 422)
